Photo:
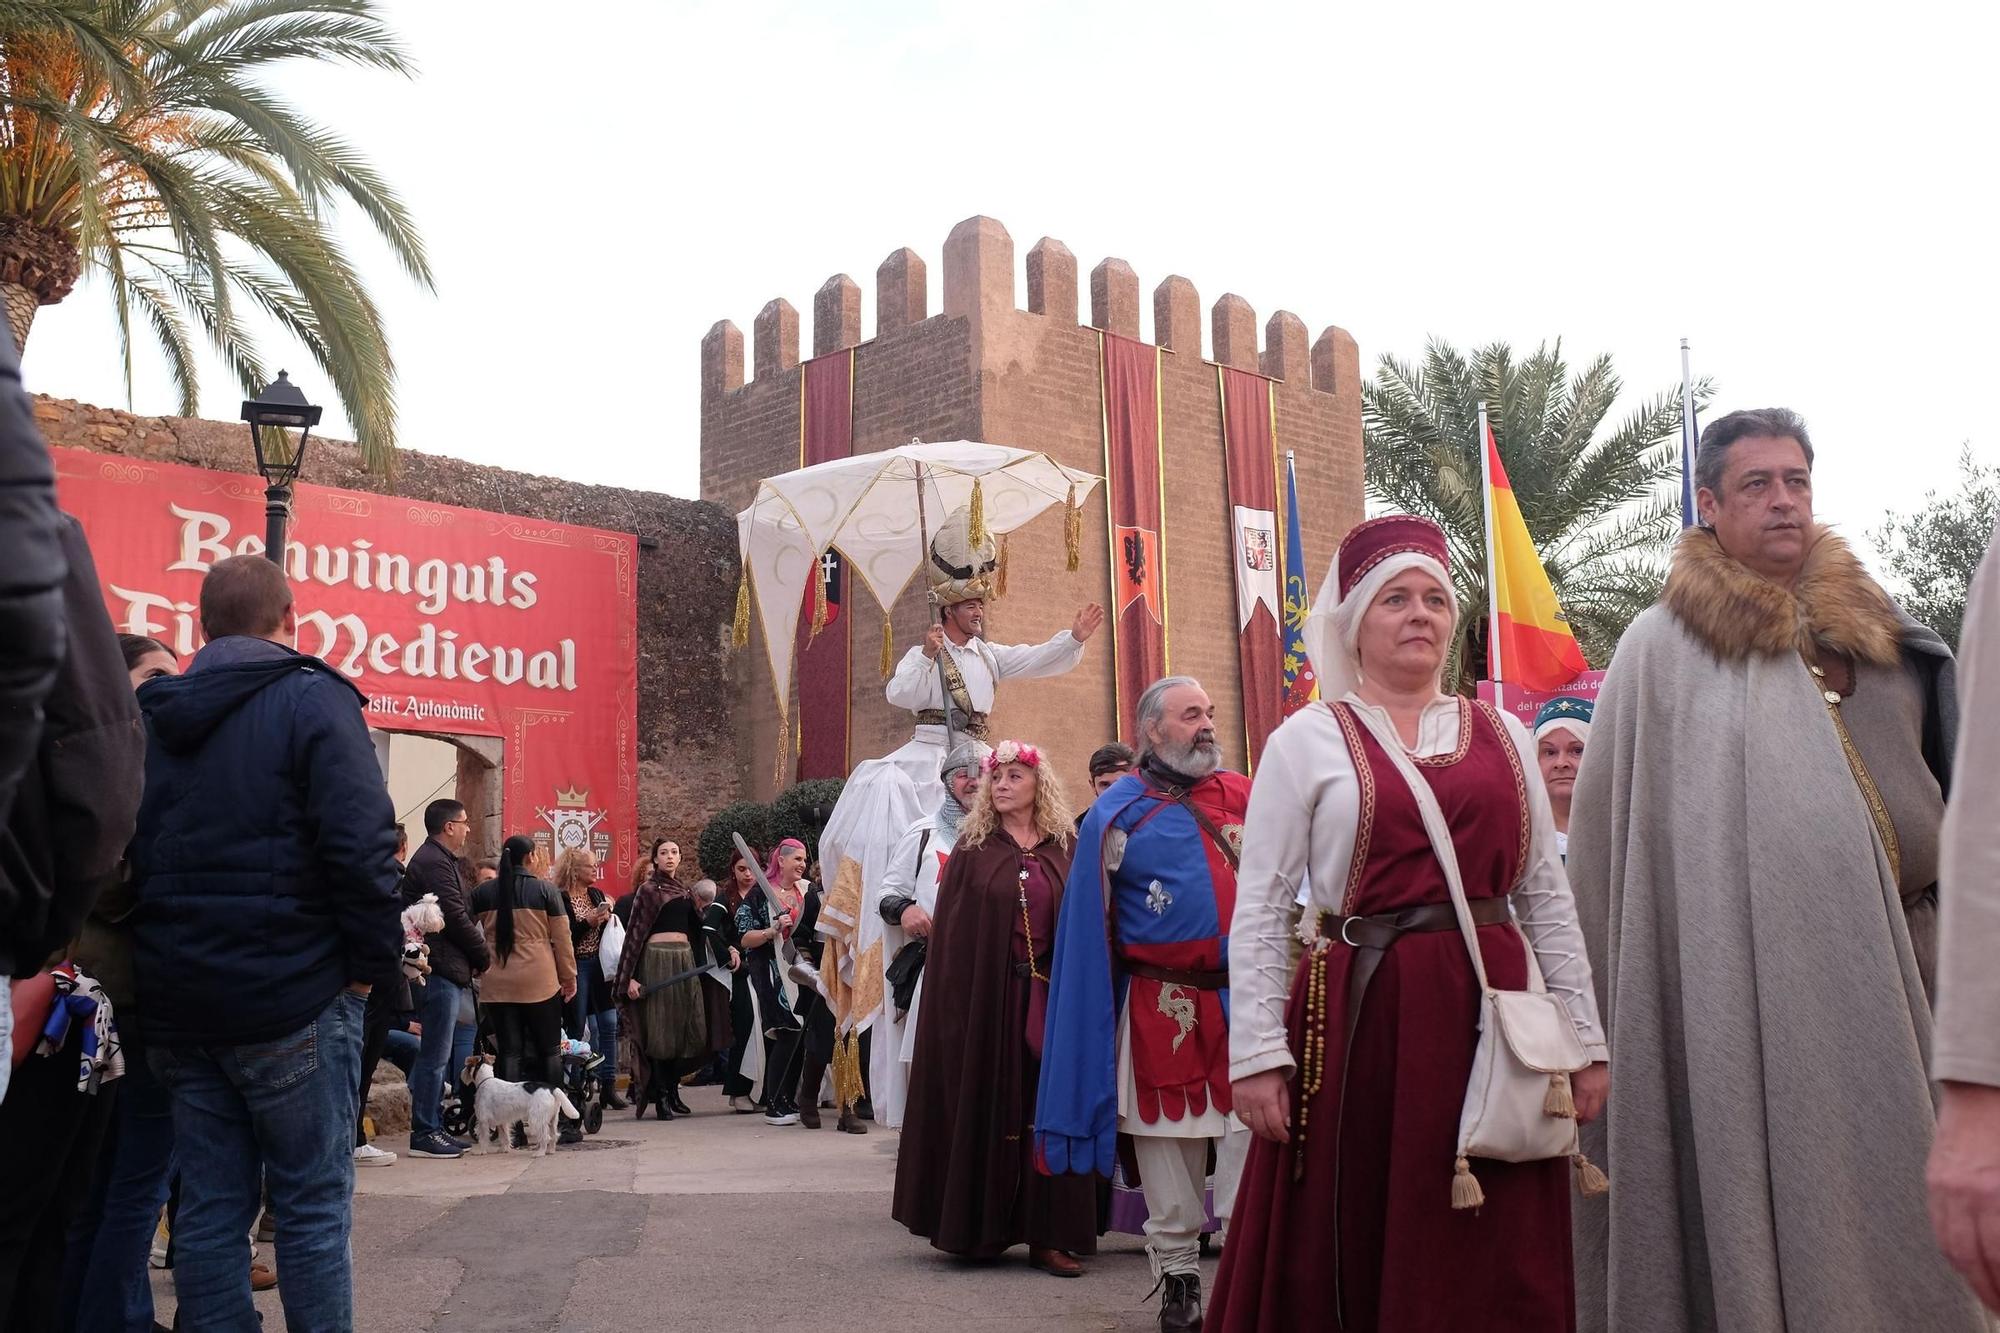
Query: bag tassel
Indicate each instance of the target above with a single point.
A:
(975, 518)
(739, 634)
(1073, 530)
(1559, 1102)
(1465, 1191)
(819, 601)
(1000, 571)
(1590, 1182)
(847, 1087)
(888, 647)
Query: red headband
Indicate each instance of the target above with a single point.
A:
(1367, 545)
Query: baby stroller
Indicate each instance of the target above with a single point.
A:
(580, 1081)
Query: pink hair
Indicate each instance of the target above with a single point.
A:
(771, 870)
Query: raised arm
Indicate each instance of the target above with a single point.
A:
(1028, 660)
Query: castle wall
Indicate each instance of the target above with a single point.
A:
(986, 368)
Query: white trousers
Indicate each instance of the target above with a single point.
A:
(1172, 1175)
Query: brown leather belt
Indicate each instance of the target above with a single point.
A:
(1371, 938)
(974, 726)
(1174, 976)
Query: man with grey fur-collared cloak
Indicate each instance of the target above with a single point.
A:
(1753, 850)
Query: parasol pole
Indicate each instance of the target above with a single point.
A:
(923, 556)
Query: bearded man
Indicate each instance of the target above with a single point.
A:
(1754, 853)
(905, 901)
(1137, 1039)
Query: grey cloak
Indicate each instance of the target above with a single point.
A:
(1770, 1113)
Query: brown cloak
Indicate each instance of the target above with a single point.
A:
(965, 1175)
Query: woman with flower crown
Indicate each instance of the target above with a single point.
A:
(965, 1175)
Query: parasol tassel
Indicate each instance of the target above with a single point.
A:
(784, 745)
(739, 634)
(1073, 529)
(819, 601)
(975, 518)
(1000, 572)
(888, 647)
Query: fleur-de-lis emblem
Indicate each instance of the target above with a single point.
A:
(1158, 900)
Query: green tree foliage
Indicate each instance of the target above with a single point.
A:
(801, 812)
(142, 140)
(714, 848)
(1930, 556)
(1601, 504)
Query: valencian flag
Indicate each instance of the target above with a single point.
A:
(1531, 639)
(1301, 684)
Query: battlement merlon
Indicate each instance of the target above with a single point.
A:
(1177, 316)
(1052, 281)
(774, 339)
(721, 360)
(1287, 354)
(902, 292)
(836, 315)
(1114, 298)
(1235, 335)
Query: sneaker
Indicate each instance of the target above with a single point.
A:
(436, 1144)
(370, 1155)
(780, 1114)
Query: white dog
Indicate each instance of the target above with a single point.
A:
(498, 1104)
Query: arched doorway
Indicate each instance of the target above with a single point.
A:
(421, 767)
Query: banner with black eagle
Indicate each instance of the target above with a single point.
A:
(1137, 509)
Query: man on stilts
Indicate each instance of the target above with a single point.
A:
(1137, 1043)
(949, 682)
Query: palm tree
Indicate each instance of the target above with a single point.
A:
(1601, 510)
(138, 142)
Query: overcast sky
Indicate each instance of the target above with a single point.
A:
(1804, 191)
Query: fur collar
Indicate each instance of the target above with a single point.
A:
(1736, 613)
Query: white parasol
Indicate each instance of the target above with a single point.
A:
(879, 510)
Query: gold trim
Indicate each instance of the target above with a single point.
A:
(1871, 795)
(1229, 526)
(1492, 717)
(1364, 775)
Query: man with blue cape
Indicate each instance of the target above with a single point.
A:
(1135, 1055)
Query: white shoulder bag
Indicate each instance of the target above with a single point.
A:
(1518, 1106)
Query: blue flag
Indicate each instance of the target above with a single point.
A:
(1301, 683)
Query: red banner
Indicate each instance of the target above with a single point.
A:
(826, 432)
(1133, 481)
(453, 621)
(1250, 463)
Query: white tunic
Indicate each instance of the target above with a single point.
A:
(912, 871)
(917, 686)
(1304, 808)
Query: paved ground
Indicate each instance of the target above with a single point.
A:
(718, 1222)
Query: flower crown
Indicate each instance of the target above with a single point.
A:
(1012, 752)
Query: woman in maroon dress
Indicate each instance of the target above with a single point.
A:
(1353, 1077)
(965, 1176)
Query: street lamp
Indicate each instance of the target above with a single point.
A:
(279, 408)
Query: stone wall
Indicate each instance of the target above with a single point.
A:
(688, 747)
(984, 368)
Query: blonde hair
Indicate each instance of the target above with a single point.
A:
(1052, 815)
(574, 873)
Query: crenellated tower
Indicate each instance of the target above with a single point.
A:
(985, 368)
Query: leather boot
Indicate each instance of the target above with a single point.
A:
(808, 1094)
(1180, 1303)
(850, 1121)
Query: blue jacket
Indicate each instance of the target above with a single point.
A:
(265, 859)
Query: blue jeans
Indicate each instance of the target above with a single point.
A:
(437, 1010)
(287, 1106)
(599, 1029)
(603, 1037)
(105, 1283)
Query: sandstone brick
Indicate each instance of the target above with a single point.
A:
(1177, 317)
(1052, 280)
(1235, 332)
(1114, 298)
(836, 315)
(901, 292)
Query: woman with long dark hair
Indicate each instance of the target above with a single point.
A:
(739, 1087)
(534, 964)
(668, 1025)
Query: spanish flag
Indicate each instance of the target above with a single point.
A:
(1531, 639)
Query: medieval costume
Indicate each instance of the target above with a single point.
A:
(951, 696)
(1563, 716)
(1754, 847)
(1351, 1223)
(1967, 1048)
(711, 947)
(965, 1175)
(771, 1064)
(911, 879)
(1138, 1034)
(667, 1031)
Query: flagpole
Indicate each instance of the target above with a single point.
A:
(1687, 438)
(1492, 591)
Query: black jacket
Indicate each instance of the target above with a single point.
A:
(31, 601)
(458, 952)
(266, 854)
(73, 813)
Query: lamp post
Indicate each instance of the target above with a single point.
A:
(280, 407)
